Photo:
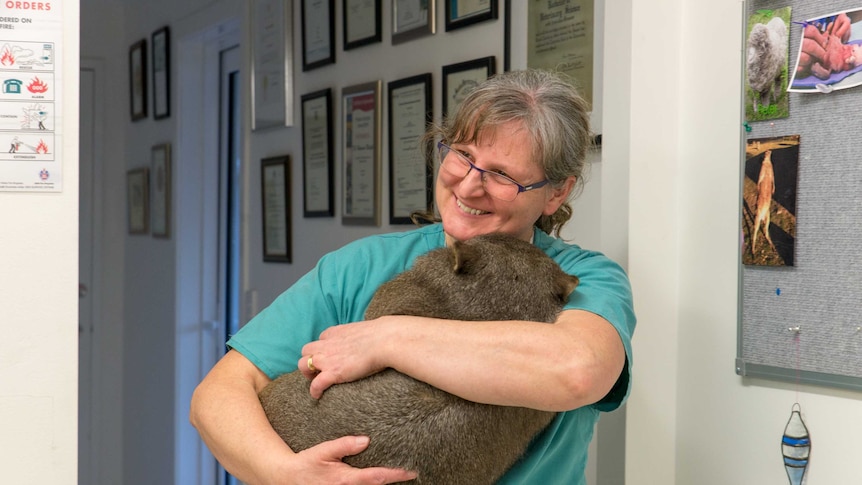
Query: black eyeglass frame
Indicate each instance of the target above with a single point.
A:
(441, 147)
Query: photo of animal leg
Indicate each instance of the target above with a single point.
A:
(413, 425)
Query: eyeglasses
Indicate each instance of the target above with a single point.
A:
(496, 184)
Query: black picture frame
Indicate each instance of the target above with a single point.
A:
(406, 162)
(507, 35)
(456, 20)
(471, 73)
(275, 209)
(317, 142)
(161, 58)
(374, 33)
(318, 51)
(138, 80)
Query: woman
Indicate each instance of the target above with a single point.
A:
(510, 160)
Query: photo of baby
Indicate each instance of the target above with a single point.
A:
(830, 53)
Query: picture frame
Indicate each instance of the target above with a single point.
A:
(318, 33)
(361, 153)
(138, 200)
(161, 73)
(460, 78)
(411, 174)
(362, 22)
(275, 208)
(463, 13)
(272, 64)
(412, 19)
(317, 154)
(138, 80)
(160, 190)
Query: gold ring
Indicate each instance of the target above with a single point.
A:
(311, 365)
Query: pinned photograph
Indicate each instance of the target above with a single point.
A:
(766, 65)
(769, 201)
(830, 53)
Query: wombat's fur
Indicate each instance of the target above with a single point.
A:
(412, 425)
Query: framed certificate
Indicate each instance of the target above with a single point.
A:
(160, 166)
(318, 33)
(412, 19)
(272, 64)
(360, 153)
(161, 74)
(410, 161)
(361, 23)
(463, 13)
(317, 154)
(459, 79)
(138, 200)
(560, 37)
(275, 195)
(138, 79)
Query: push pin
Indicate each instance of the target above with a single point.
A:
(795, 329)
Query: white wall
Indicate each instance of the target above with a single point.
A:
(39, 307)
(690, 418)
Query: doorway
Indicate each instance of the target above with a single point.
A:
(207, 211)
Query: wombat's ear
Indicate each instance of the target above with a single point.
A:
(566, 284)
(462, 255)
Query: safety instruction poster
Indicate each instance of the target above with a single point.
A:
(30, 96)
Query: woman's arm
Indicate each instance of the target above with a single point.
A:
(554, 367)
(230, 419)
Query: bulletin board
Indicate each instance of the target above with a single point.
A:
(800, 301)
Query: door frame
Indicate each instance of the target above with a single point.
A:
(197, 235)
(91, 285)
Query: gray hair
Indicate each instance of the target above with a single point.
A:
(549, 107)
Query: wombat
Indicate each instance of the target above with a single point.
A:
(413, 425)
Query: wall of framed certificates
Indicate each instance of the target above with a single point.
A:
(380, 71)
(423, 55)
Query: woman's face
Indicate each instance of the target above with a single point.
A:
(468, 211)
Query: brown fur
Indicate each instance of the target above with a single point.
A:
(412, 425)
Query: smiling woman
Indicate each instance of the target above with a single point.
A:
(512, 155)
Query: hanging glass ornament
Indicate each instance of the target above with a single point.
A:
(795, 446)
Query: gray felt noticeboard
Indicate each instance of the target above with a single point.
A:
(800, 319)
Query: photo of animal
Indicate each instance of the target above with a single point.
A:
(413, 425)
(766, 65)
(769, 196)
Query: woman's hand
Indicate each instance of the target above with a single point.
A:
(344, 353)
(322, 464)
(228, 414)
